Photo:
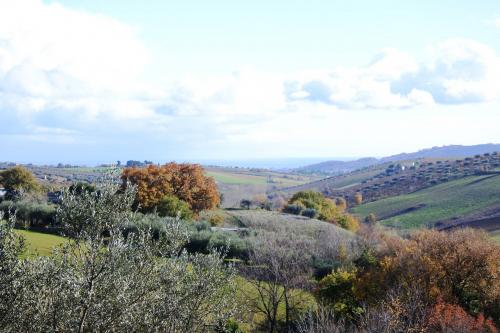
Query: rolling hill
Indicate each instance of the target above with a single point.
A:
(444, 152)
(472, 201)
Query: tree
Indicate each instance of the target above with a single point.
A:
(172, 206)
(245, 203)
(446, 317)
(106, 280)
(325, 208)
(459, 267)
(341, 203)
(337, 289)
(185, 181)
(18, 179)
(80, 187)
(348, 222)
(371, 219)
(358, 198)
(279, 267)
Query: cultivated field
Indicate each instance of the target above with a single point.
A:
(455, 199)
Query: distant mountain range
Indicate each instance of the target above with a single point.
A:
(452, 151)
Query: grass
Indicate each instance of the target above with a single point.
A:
(40, 243)
(457, 198)
(247, 177)
(237, 178)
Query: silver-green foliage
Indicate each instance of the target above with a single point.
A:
(107, 280)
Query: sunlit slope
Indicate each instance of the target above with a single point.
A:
(455, 199)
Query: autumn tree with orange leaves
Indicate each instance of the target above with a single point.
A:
(185, 181)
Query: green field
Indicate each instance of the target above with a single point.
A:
(231, 177)
(457, 198)
(40, 243)
(236, 178)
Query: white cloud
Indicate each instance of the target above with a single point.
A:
(71, 76)
(74, 65)
(458, 71)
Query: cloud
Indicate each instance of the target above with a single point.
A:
(460, 71)
(457, 71)
(69, 77)
(67, 66)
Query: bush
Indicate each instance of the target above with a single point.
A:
(337, 289)
(325, 208)
(310, 212)
(295, 209)
(452, 318)
(172, 206)
(358, 198)
(30, 214)
(216, 220)
(371, 218)
(348, 222)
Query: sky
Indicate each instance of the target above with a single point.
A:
(98, 81)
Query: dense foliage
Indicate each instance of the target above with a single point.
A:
(18, 179)
(109, 280)
(314, 205)
(187, 182)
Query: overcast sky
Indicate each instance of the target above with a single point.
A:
(97, 81)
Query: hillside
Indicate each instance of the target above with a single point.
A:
(336, 167)
(394, 179)
(467, 201)
(444, 152)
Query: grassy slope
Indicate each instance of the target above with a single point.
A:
(452, 199)
(40, 243)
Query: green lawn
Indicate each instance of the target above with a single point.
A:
(37, 242)
(457, 198)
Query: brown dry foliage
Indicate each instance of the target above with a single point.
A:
(461, 266)
(185, 181)
(452, 318)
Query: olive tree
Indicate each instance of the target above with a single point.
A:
(117, 274)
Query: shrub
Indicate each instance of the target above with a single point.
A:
(172, 206)
(295, 209)
(446, 317)
(371, 218)
(459, 266)
(336, 289)
(30, 214)
(358, 198)
(216, 220)
(348, 222)
(310, 212)
(341, 203)
(325, 208)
